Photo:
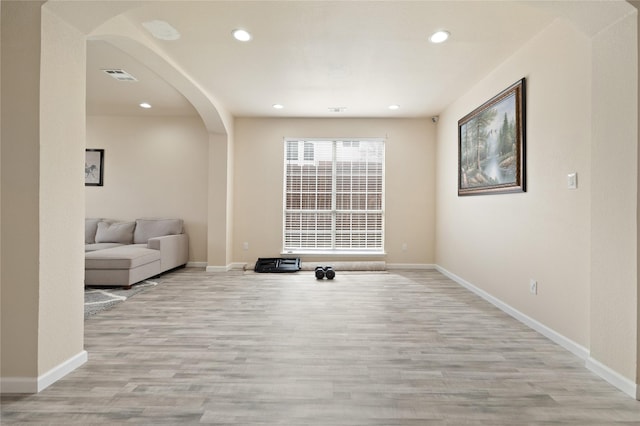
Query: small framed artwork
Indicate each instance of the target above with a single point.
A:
(93, 167)
(491, 145)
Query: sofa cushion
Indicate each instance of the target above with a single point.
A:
(100, 246)
(151, 228)
(115, 232)
(90, 228)
(123, 257)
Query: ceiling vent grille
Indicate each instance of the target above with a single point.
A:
(120, 75)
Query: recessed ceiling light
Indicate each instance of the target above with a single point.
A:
(439, 36)
(145, 105)
(241, 35)
(394, 107)
(278, 106)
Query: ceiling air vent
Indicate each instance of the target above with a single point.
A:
(120, 75)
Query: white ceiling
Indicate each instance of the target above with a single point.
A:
(107, 96)
(313, 55)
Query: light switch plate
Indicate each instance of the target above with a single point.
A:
(572, 181)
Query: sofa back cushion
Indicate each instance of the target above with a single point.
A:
(90, 228)
(115, 232)
(151, 228)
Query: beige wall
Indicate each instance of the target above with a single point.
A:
(1, 132)
(579, 244)
(43, 80)
(62, 139)
(220, 200)
(636, 4)
(500, 242)
(410, 185)
(154, 167)
(20, 186)
(614, 202)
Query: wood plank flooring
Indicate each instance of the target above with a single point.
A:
(397, 348)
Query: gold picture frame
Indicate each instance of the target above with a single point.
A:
(491, 145)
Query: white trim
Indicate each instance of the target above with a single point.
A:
(334, 138)
(334, 253)
(196, 264)
(237, 266)
(217, 269)
(410, 266)
(232, 266)
(61, 370)
(606, 373)
(613, 377)
(35, 385)
(573, 347)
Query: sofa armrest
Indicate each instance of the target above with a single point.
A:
(174, 250)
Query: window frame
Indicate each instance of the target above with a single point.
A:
(304, 159)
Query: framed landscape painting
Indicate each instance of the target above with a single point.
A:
(93, 167)
(491, 145)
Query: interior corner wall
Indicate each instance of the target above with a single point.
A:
(42, 139)
(153, 167)
(218, 240)
(230, 192)
(498, 243)
(61, 211)
(20, 97)
(614, 198)
(636, 4)
(409, 182)
(0, 177)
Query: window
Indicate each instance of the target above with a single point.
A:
(334, 195)
(308, 151)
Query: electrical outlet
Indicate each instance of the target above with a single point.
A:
(404, 246)
(533, 287)
(245, 246)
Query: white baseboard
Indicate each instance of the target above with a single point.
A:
(355, 266)
(230, 267)
(573, 347)
(410, 266)
(613, 377)
(196, 264)
(217, 269)
(37, 384)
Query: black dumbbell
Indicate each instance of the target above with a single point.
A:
(329, 272)
(319, 272)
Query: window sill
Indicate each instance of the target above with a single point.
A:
(334, 253)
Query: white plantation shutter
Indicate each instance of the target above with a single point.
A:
(334, 195)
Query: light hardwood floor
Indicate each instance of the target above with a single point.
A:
(398, 348)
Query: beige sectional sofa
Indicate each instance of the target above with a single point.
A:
(123, 253)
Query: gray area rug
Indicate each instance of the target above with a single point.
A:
(98, 299)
